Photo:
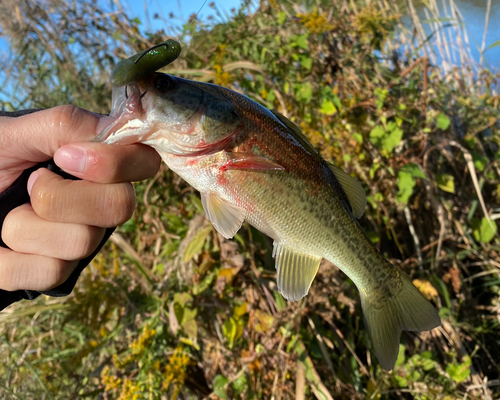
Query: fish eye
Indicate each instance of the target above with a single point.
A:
(164, 83)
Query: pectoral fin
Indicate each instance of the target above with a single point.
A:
(353, 189)
(250, 161)
(225, 217)
(295, 271)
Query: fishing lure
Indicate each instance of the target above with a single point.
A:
(141, 65)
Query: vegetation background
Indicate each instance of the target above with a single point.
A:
(169, 309)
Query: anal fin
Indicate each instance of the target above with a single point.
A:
(225, 217)
(295, 271)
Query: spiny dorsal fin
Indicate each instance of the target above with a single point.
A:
(297, 133)
(295, 271)
(353, 189)
(224, 216)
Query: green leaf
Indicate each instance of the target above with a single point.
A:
(480, 161)
(495, 44)
(179, 311)
(196, 244)
(406, 183)
(386, 139)
(229, 330)
(219, 386)
(401, 381)
(446, 182)
(381, 95)
(182, 298)
(459, 372)
(336, 101)
(395, 134)
(442, 122)
(129, 226)
(306, 62)
(327, 107)
(240, 384)
(280, 301)
(377, 134)
(281, 17)
(271, 96)
(483, 230)
(401, 355)
(188, 323)
(304, 92)
(414, 170)
(302, 42)
(428, 364)
(373, 169)
(286, 87)
(358, 137)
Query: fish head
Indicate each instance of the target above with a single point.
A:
(173, 115)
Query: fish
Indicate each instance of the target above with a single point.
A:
(253, 164)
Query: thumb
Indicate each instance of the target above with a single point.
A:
(36, 137)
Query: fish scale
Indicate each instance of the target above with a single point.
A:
(253, 165)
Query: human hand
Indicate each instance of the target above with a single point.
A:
(66, 219)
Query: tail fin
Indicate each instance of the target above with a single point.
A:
(409, 311)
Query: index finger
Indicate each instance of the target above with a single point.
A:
(36, 137)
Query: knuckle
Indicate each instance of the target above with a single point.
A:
(120, 202)
(55, 274)
(8, 280)
(12, 226)
(84, 243)
(66, 116)
(11, 278)
(43, 198)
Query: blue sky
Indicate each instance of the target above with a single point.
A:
(182, 10)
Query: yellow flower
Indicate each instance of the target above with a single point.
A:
(139, 345)
(130, 390)
(315, 22)
(222, 78)
(176, 371)
(110, 382)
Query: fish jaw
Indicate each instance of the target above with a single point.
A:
(187, 121)
(129, 126)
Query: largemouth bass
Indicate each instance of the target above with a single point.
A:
(253, 165)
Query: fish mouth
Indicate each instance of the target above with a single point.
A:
(127, 107)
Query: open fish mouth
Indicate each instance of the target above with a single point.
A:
(128, 109)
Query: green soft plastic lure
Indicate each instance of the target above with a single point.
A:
(138, 67)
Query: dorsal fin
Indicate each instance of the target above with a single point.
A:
(297, 133)
(353, 190)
